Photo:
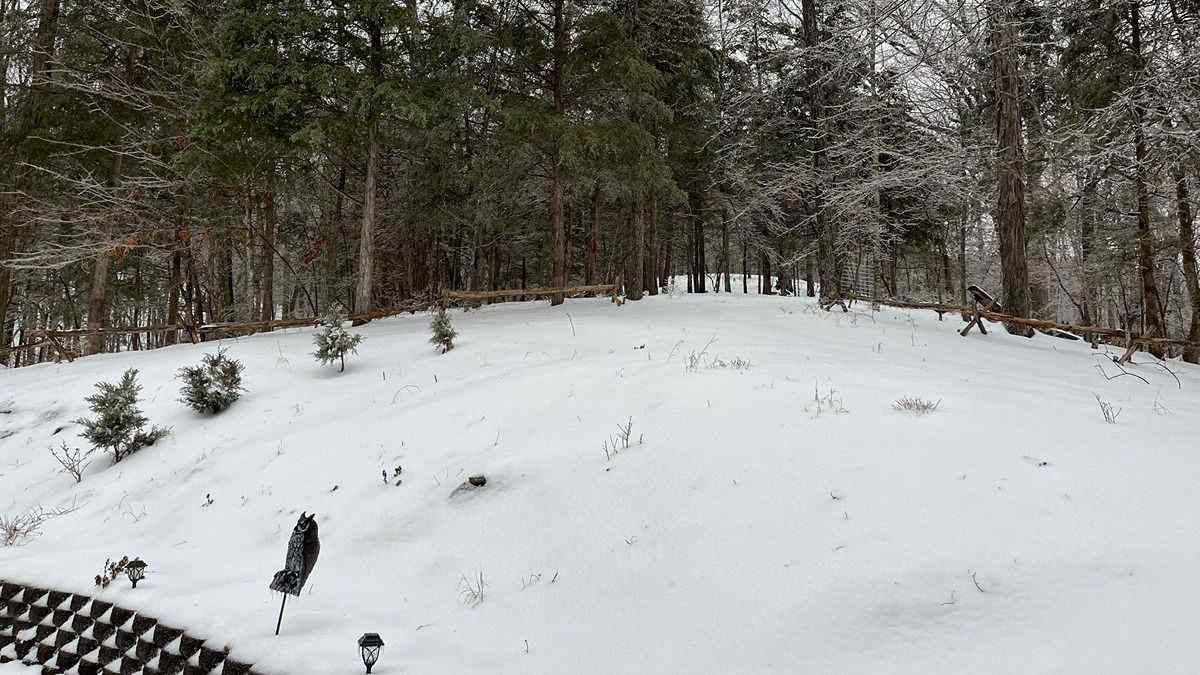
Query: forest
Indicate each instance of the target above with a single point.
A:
(173, 163)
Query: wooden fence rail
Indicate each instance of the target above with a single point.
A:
(608, 289)
(52, 338)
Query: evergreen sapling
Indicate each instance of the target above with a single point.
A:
(212, 386)
(334, 341)
(443, 332)
(117, 426)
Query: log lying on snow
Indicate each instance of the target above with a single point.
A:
(1038, 324)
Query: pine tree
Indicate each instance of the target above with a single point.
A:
(118, 424)
(333, 342)
(443, 332)
(212, 386)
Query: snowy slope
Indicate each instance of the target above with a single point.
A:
(751, 532)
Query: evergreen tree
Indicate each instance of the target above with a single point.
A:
(118, 422)
(213, 385)
(443, 332)
(334, 341)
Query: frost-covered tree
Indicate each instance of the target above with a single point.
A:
(334, 341)
(118, 423)
(443, 332)
(213, 385)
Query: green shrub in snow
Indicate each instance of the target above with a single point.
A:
(118, 423)
(213, 385)
(333, 341)
(443, 332)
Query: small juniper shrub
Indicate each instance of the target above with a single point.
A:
(213, 385)
(443, 332)
(118, 425)
(333, 342)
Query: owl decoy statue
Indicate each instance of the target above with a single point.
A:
(303, 548)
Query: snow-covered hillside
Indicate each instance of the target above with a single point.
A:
(754, 529)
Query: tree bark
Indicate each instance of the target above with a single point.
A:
(1087, 232)
(725, 249)
(1010, 209)
(330, 250)
(364, 295)
(1145, 238)
(6, 243)
(745, 266)
(670, 239)
(697, 207)
(634, 247)
(268, 266)
(173, 292)
(651, 266)
(558, 234)
(366, 241)
(589, 262)
(1187, 250)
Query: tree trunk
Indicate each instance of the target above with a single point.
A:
(366, 241)
(1187, 250)
(558, 234)
(1010, 209)
(633, 247)
(364, 292)
(1087, 231)
(224, 273)
(962, 262)
(697, 205)
(947, 273)
(745, 266)
(589, 263)
(6, 245)
(173, 292)
(725, 248)
(651, 266)
(635, 281)
(1145, 238)
(268, 265)
(330, 254)
(194, 293)
(670, 239)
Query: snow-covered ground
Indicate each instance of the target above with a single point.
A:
(753, 530)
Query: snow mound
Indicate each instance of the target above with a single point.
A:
(775, 516)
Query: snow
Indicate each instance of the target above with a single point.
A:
(752, 531)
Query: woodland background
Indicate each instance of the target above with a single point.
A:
(168, 162)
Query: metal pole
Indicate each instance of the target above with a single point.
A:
(280, 621)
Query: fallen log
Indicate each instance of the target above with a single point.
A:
(1038, 324)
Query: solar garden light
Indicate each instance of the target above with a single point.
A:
(135, 570)
(369, 646)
